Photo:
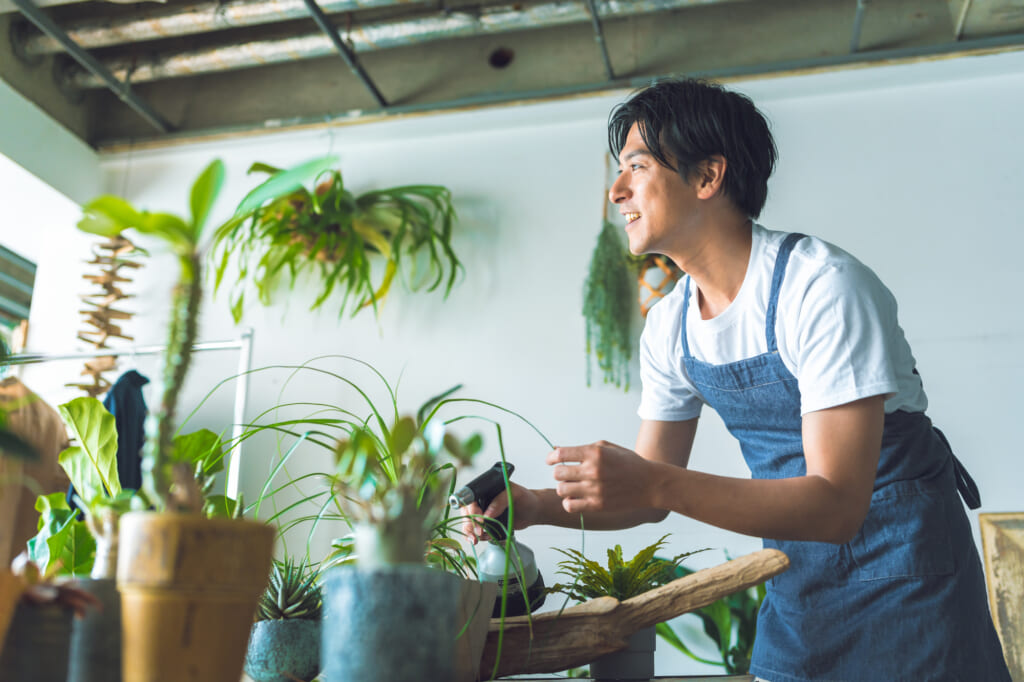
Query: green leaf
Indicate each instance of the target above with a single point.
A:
(283, 182)
(63, 544)
(108, 216)
(170, 228)
(13, 446)
(200, 447)
(204, 194)
(92, 465)
(401, 436)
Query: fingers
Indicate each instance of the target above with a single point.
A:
(472, 526)
(564, 455)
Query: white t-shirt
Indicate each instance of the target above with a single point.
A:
(836, 328)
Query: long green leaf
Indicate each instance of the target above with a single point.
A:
(204, 193)
(283, 182)
(108, 216)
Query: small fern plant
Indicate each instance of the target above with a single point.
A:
(621, 578)
(293, 593)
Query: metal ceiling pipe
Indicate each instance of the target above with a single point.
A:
(93, 67)
(369, 37)
(858, 25)
(168, 22)
(599, 38)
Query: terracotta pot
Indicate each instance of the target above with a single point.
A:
(189, 587)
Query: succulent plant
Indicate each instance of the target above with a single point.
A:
(293, 592)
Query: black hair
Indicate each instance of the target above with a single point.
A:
(686, 121)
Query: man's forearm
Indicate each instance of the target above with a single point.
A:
(552, 513)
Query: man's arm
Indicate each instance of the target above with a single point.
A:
(828, 504)
(657, 441)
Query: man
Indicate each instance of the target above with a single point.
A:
(797, 346)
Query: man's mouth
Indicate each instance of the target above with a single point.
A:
(631, 216)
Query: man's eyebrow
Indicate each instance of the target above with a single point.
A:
(635, 153)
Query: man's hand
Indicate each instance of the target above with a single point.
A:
(525, 506)
(606, 477)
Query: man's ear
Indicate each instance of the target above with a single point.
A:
(710, 176)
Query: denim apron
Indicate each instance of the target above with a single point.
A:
(905, 599)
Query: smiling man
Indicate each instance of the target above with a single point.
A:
(797, 346)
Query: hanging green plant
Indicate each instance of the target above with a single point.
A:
(609, 307)
(340, 237)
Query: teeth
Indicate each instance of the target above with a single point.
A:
(630, 217)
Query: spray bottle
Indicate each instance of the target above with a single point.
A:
(493, 561)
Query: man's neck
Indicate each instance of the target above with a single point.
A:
(718, 264)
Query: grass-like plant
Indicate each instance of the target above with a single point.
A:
(622, 578)
(339, 237)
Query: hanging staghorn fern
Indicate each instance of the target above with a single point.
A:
(608, 306)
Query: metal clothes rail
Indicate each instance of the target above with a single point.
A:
(243, 344)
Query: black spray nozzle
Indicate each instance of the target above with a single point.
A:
(482, 490)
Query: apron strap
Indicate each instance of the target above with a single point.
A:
(964, 483)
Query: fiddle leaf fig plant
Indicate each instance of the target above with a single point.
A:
(167, 481)
(355, 244)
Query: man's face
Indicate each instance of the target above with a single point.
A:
(656, 202)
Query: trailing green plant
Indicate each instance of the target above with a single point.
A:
(621, 578)
(338, 236)
(609, 307)
(168, 481)
(293, 592)
(730, 623)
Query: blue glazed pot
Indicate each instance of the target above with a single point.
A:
(283, 650)
(96, 638)
(37, 644)
(390, 623)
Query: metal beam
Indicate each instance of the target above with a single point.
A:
(858, 24)
(346, 54)
(599, 37)
(1007, 43)
(122, 90)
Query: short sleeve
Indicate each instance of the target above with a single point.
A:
(845, 341)
(666, 394)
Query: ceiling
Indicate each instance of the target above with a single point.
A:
(162, 73)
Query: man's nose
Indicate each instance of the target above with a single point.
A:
(619, 190)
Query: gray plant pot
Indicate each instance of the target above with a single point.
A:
(635, 662)
(389, 623)
(96, 639)
(283, 650)
(37, 644)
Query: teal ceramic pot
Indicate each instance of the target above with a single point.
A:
(283, 650)
(37, 644)
(96, 638)
(390, 623)
(635, 662)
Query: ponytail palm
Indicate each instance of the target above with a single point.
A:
(355, 244)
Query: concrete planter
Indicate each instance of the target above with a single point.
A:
(284, 650)
(635, 662)
(96, 638)
(390, 623)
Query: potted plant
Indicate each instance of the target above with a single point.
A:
(339, 237)
(285, 641)
(393, 487)
(730, 622)
(621, 579)
(189, 584)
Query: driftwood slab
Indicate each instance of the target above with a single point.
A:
(553, 641)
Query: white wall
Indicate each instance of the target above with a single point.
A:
(916, 169)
